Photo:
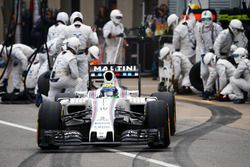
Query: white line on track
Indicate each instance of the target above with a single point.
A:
(157, 162)
(17, 126)
(154, 161)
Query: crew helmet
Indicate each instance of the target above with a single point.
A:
(93, 53)
(195, 6)
(210, 59)
(165, 51)
(110, 91)
(116, 16)
(173, 20)
(63, 17)
(206, 17)
(236, 26)
(239, 54)
(76, 15)
(73, 43)
(233, 48)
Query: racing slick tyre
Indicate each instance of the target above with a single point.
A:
(169, 98)
(195, 78)
(43, 83)
(158, 122)
(49, 118)
(64, 95)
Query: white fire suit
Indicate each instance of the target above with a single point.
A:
(224, 41)
(55, 31)
(54, 48)
(18, 63)
(241, 79)
(87, 38)
(113, 45)
(222, 70)
(184, 39)
(182, 67)
(32, 76)
(205, 37)
(64, 74)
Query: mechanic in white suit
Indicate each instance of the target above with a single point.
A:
(65, 72)
(54, 48)
(241, 79)
(183, 35)
(218, 68)
(87, 37)
(206, 33)
(181, 65)
(56, 36)
(58, 29)
(17, 65)
(32, 76)
(113, 33)
(227, 38)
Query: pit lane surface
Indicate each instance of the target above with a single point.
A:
(208, 134)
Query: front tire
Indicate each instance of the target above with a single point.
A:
(169, 98)
(157, 119)
(49, 118)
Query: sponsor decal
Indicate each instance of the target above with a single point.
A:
(117, 68)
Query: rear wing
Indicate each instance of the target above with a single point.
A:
(120, 71)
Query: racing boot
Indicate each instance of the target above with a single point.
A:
(3, 90)
(162, 87)
(186, 90)
(207, 95)
(3, 87)
(16, 91)
(222, 97)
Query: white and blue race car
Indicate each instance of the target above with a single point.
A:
(110, 114)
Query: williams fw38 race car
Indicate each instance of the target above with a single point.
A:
(108, 115)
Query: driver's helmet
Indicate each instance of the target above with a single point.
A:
(109, 91)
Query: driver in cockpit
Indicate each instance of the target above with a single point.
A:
(109, 90)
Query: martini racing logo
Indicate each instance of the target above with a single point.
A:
(116, 68)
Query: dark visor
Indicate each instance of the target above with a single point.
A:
(118, 17)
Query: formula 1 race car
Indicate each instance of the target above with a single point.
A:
(108, 115)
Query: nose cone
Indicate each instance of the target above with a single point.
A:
(101, 135)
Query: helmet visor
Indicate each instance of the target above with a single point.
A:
(237, 58)
(118, 17)
(207, 19)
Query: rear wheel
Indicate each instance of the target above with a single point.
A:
(169, 98)
(49, 118)
(157, 119)
(194, 76)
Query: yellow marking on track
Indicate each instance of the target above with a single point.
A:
(194, 100)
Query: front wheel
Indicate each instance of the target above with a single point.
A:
(169, 99)
(157, 122)
(49, 118)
